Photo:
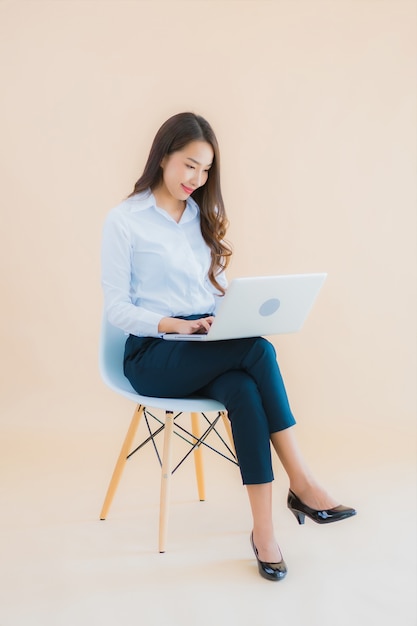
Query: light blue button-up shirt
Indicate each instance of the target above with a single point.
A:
(154, 267)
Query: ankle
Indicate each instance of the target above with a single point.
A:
(263, 532)
(303, 485)
(314, 495)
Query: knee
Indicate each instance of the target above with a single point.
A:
(263, 349)
(266, 347)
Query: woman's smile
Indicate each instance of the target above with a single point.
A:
(188, 190)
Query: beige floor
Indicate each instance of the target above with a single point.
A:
(61, 566)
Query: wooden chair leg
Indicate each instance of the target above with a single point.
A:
(228, 428)
(121, 461)
(198, 457)
(165, 479)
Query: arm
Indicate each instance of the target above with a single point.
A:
(116, 259)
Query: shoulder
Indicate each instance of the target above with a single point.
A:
(123, 220)
(132, 205)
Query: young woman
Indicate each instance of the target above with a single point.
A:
(163, 271)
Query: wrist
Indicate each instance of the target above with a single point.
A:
(167, 325)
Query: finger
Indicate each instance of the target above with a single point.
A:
(196, 327)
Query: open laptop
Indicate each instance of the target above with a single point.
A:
(263, 305)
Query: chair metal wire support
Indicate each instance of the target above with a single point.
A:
(230, 451)
(195, 443)
(201, 441)
(153, 434)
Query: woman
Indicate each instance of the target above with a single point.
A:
(163, 260)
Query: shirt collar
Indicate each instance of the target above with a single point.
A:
(146, 200)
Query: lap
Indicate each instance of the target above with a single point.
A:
(180, 368)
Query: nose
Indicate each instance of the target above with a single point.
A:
(197, 179)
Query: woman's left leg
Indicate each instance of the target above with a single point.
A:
(302, 481)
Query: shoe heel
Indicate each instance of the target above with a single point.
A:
(300, 517)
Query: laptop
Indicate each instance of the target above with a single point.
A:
(263, 305)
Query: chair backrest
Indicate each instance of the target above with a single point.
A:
(111, 352)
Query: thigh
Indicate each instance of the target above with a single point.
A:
(179, 368)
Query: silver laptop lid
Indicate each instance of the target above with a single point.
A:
(262, 305)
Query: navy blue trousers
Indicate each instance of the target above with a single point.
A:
(242, 374)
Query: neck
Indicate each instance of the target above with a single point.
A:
(175, 208)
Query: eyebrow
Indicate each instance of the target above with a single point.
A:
(198, 163)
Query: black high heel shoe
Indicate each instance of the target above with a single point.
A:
(300, 510)
(270, 571)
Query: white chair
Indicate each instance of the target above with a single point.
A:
(111, 352)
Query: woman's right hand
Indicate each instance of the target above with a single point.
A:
(185, 327)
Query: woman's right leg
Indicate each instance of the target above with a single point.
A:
(240, 394)
(260, 498)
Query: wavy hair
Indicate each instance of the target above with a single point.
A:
(178, 131)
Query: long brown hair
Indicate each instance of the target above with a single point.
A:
(173, 136)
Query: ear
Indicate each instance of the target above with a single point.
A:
(163, 162)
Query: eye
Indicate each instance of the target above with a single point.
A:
(191, 167)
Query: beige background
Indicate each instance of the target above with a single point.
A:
(314, 106)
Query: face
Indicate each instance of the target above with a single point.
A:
(186, 170)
